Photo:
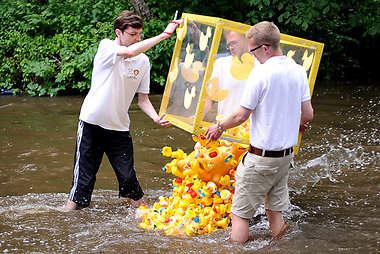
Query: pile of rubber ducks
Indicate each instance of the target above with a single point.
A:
(241, 131)
(202, 192)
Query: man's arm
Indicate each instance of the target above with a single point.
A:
(146, 106)
(307, 115)
(235, 119)
(144, 45)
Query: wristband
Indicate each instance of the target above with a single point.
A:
(176, 22)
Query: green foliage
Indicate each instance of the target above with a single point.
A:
(233, 10)
(343, 26)
(160, 55)
(47, 46)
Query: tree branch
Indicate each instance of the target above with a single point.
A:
(142, 9)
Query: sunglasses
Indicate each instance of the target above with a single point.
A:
(252, 50)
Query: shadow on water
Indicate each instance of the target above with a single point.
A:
(334, 187)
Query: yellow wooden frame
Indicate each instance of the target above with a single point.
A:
(195, 125)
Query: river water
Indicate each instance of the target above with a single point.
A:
(334, 188)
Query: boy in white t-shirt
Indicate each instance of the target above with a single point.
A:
(275, 94)
(120, 71)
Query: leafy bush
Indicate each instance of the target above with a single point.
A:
(343, 26)
(47, 46)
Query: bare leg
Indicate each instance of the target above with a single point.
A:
(71, 206)
(240, 229)
(276, 223)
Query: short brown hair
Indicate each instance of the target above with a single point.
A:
(265, 32)
(128, 19)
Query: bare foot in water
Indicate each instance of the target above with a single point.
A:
(137, 203)
(282, 232)
(72, 206)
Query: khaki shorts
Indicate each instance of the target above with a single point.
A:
(261, 179)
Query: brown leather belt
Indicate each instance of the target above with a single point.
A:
(266, 153)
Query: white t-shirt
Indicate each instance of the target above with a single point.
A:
(222, 70)
(275, 91)
(115, 81)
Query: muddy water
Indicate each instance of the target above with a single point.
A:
(335, 186)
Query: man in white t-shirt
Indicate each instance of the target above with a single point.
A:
(120, 71)
(237, 44)
(276, 93)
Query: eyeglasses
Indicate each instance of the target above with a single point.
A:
(141, 35)
(231, 44)
(253, 50)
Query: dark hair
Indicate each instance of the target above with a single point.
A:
(128, 19)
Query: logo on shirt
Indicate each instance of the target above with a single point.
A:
(132, 74)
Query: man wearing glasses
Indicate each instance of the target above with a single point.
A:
(237, 45)
(121, 70)
(276, 92)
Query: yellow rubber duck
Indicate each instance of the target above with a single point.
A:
(177, 172)
(225, 195)
(203, 141)
(167, 151)
(225, 180)
(228, 207)
(209, 229)
(217, 200)
(211, 187)
(223, 223)
(190, 214)
(179, 154)
(207, 201)
(212, 166)
(164, 201)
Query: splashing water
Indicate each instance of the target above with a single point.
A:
(334, 186)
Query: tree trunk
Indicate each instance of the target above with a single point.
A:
(142, 9)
